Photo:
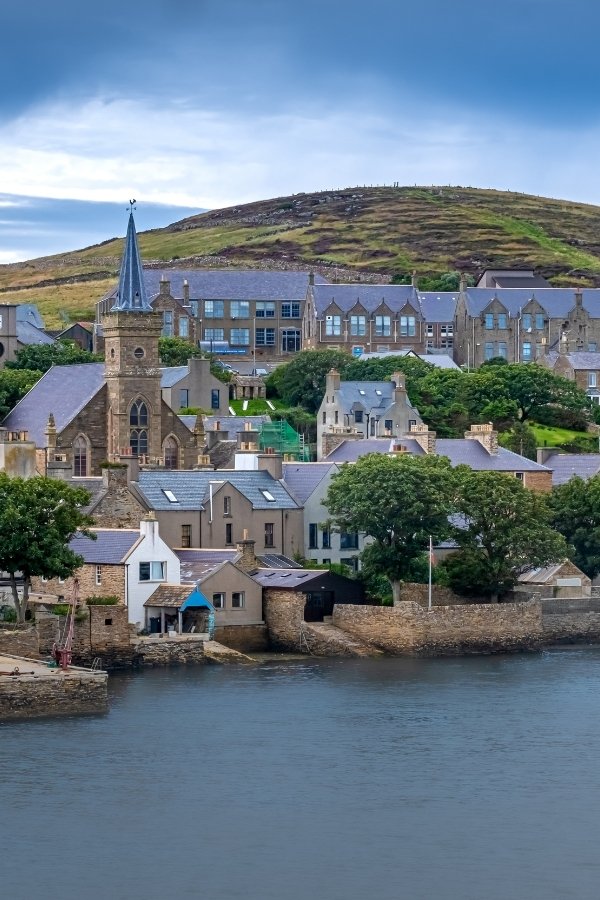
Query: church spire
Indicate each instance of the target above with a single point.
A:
(132, 291)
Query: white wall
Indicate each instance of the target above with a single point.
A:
(151, 548)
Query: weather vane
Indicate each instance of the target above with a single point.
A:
(131, 206)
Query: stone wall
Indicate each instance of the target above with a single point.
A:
(440, 596)
(19, 640)
(112, 583)
(284, 616)
(447, 630)
(154, 651)
(117, 506)
(55, 694)
(100, 632)
(247, 638)
(571, 621)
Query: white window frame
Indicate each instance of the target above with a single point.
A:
(98, 576)
(238, 599)
(154, 572)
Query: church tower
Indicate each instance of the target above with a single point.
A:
(131, 333)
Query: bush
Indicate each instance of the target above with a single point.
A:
(103, 601)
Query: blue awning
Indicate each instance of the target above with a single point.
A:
(196, 600)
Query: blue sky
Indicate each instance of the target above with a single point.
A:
(197, 104)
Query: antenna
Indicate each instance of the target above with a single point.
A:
(132, 206)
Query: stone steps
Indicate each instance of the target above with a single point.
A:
(324, 639)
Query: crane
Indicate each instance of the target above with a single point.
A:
(62, 651)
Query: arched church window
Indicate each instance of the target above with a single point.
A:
(138, 414)
(80, 457)
(138, 441)
(171, 453)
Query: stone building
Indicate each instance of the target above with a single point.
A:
(20, 326)
(580, 366)
(79, 416)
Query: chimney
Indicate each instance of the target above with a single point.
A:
(270, 462)
(332, 383)
(463, 282)
(50, 432)
(579, 299)
(149, 526)
(204, 463)
(311, 278)
(413, 279)
(563, 344)
(545, 454)
(165, 287)
(425, 438)
(132, 464)
(215, 435)
(186, 292)
(248, 562)
(487, 437)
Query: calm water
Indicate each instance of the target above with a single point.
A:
(301, 780)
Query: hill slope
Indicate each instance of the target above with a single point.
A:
(353, 232)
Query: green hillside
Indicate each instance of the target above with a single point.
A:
(380, 230)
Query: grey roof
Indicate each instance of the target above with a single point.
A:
(541, 574)
(277, 561)
(27, 333)
(350, 451)
(132, 295)
(198, 564)
(565, 466)
(188, 421)
(521, 281)
(28, 312)
(579, 359)
(170, 375)
(234, 424)
(111, 547)
(557, 302)
(438, 306)
(63, 391)
(470, 452)
(439, 360)
(370, 296)
(372, 395)
(192, 488)
(303, 478)
(293, 579)
(230, 284)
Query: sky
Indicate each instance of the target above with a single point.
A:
(197, 104)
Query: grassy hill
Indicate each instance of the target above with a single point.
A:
(352, 233)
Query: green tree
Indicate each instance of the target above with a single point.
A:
(40, 357)
(521, 439)
(533, 387)
(301, 382)
(176, 351)
(38, 517)
(14, 384)
(399, 502)
(505, 529)
(575, 508)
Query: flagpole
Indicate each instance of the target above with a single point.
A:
(430, 558)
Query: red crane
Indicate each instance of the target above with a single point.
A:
(62, 651)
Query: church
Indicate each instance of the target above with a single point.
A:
(84, 415)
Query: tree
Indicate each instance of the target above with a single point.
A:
(301, 382)
(398, 501)
(575, 509)
(521, 439)
(40, 357)
(176, 351)
(504, 529)
(38, 517)
(14, 384)
(533, 387)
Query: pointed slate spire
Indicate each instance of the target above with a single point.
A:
(132, 291)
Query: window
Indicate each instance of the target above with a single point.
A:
(265, 309)
(539, 321)
(186, 535)
(333, 326)
(447, 330)
(269, 534)
(138, 434)
(336, 417)
(213, 309)
(139, 352)
(429, 331)
(592, 378)
(108, 621)
(526, 322)
(520, 476)
(408, 326)
(226, 506)
(167, 329)
(502, 320)
(171, 453)
(489, 350)
(80, 457)
(238, 599)
(592, 347)
(214, 334)
(358, 416)
(240, 309)
(324, 417)
(215, 398)
(170, 495)
(526, 351)
(388, 424)
(326, 539)
(383, 326)
(290, 310)
(539, 350)
(265, 337)
(194, 308)
(267, 495)
(290, 340)
(358, 325)
(184, 326)
(98, 575)
(229, 533)
(152, 571)
(218, 601)
(351, 562)
(313, 530)
(489, 320)
(349, 540)
(240, 336)
(502, 349)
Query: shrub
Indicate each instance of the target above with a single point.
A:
(103, 601)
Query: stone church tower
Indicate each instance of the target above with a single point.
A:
(132, 368)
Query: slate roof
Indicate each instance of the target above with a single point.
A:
(277, 561)
(229, 284)
(376, 395)
(27, 333)
(303, 478)
(131, 295)
(63, 391)
(112, 546)
(234, 424)
(521, 281)
(439, 360)
(557, 302)
(541, 575)
(565, 465)
(579, 359)
(198, 564)
(170, 596)
(170, 375)
(28, 312)
(292, 579)
(438, 306)
(350, 451)
(370, 296)
(192, 488)
(188, 421)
